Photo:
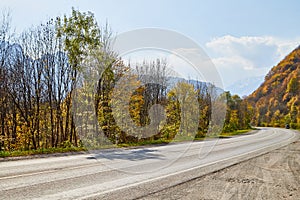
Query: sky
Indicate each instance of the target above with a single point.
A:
(243, 39)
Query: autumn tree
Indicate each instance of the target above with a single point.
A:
(5, 103)
(293, 86)
(80, 35)
(238, 115)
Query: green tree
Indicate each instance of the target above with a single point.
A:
(239, 113)
(81, 35)
(293, 86)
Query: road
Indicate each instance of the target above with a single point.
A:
(132, 173)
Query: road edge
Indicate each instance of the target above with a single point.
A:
(140, 190)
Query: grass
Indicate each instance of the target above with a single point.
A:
(238, 132)
(166, 141)
(144, 143)
(17, 153)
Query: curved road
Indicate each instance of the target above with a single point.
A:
(131, 173)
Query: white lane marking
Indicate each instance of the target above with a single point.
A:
(289, 140)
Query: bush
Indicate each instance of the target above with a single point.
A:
(66, 144)
(294, 125)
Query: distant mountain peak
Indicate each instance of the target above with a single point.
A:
(245, 87)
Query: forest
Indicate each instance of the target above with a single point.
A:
(277, 100)
(63, 86)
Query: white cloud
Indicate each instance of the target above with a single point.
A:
(238, 58)
(233, 69)
(191, 63)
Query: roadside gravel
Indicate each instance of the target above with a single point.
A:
(275, 175)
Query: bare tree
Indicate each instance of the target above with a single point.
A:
(6, 36)
(154, 76)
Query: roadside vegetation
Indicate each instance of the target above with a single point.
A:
(17, 153)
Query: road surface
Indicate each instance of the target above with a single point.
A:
(132, 173)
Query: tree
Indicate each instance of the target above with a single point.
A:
(5, 39)
(204, 101)
(293, 86)
(80, 35)
(182, 112)
(154, 76)
(238, 115)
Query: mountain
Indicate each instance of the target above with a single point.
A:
(277, 100)
(246, 86)
(172, 81)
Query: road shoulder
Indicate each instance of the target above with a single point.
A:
(274, 175)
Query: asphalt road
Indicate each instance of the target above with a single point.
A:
(131, 173)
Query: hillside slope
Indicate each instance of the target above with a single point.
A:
(277, 100)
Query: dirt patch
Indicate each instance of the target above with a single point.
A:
(275, 175)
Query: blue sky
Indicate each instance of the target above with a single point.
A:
(243, 38)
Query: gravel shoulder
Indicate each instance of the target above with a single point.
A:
(274, 175)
